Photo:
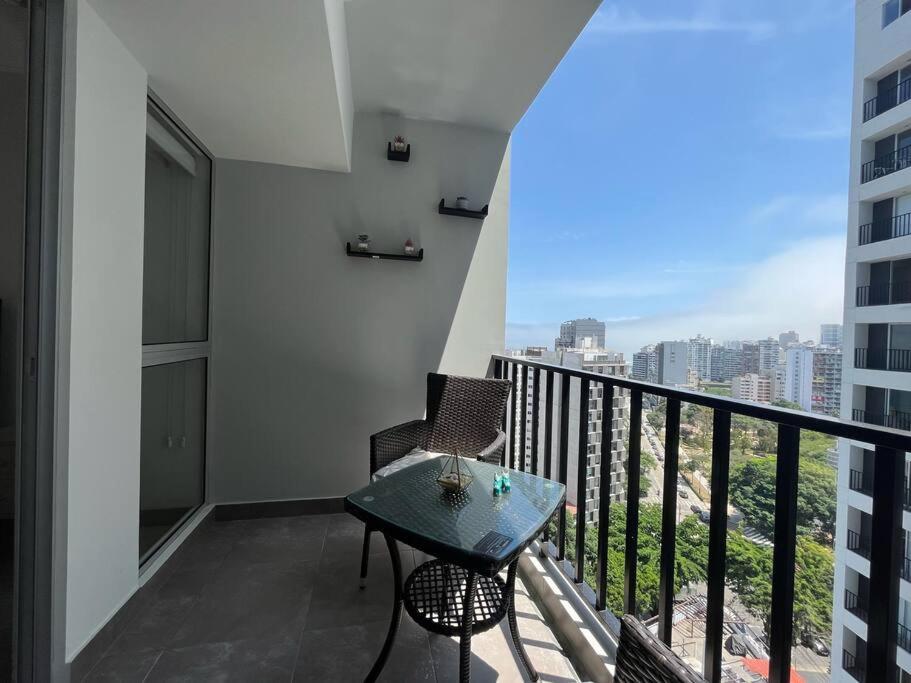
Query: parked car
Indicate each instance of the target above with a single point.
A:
(683, 493)
(695, 508)
(815, 644)
(704, 516)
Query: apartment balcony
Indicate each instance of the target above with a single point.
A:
(880, 231)
(884, 294)
(861, 481)
(858, 543)
(856, 605)
(894, 420)
(904, 638)
(886, 100)
(886, 164)
(897, 360)
(853, 666)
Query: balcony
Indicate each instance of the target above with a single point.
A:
(904, 638)
(879, 231)
(858, 543)
(884, 294)
(853, 666)
(887, 100)
(898, 360)
(885, 165)
(894, 420)
(860, 481)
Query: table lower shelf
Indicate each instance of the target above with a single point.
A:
(435, 593)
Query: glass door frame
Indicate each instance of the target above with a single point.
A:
(176, 352)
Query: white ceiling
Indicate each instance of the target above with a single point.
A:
(476, 62)
(270, 80)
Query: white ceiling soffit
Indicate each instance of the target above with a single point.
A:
(266, 80)
(474, 62)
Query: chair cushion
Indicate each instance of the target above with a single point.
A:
(413, 458)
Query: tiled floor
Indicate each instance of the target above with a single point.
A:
(278, 600)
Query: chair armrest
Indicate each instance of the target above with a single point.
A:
(493, 454)
(391, 444)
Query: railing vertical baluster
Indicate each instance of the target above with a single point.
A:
(718, 523)
(500, 373)
(607, 460)
(535, 418)
(631, 555)
(669, 522)
(783, 554)
(885, 558)
(563, 461)
(523, 416)
(581, 481)
(549, 379)
(511, 447)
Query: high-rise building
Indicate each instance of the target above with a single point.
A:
(875, 316)
(830, 334)
(798, 384)
(727, 363)
(673, 369)
(769, 352)
(572, 333)
(699, 357)
(785, 339)
(752, 387)
(645, 364)
(826, 396)
(749, 359)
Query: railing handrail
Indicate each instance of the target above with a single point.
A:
(889, 162)
(846, 429)
(871, 111)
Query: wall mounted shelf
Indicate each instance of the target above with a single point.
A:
(377, 255)
(464, 213)
(398, 156)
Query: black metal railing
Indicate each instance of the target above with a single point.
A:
(904, 638)
(858, 543)
(905, 570)
(883, 546)
(855, 605)
(879, 231)
(884, 293)
(858, 480)
(898, 360)
(886, 164)
(853, 666)
(893, 420)
(887, 100)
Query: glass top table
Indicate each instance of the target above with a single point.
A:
(473, 535)
(473, 528)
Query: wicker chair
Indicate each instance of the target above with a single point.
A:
(641, 657)
(463, 415)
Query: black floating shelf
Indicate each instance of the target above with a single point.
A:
(464, 213)
(398, 156)
(379, 255)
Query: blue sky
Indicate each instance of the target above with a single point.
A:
(685, 171)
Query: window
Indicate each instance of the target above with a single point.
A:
(175, 323)
(893, 9)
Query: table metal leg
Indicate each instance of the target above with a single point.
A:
(467, 625)
(513, 624)
(365, 555)
(396, 610)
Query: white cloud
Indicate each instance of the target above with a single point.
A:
(828, 210)
(611, 19)
(798, 289)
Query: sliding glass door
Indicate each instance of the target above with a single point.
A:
(175, 328)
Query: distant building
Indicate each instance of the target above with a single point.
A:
(831, 334)
(645, 364)
(573, 331)
(749, 359)
(752, 387)
(769, 351)
(785, 339)
(799, 376)
(672, 363)
(699, 357)
(826, 393)
(727, 363)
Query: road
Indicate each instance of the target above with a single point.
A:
(652, 442)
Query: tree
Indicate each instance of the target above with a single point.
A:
(753, 493)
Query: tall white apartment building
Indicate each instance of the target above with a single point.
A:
(573, 331)
(875, 386)
(798, 381)
(645, 364)
(699, 357)
(769, 352)
(673, 363)
(831, 334)
(753, 387)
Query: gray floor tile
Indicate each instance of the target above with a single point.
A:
(279, 540)
(131, 668)
(347, 653)
(154, 629)
(250, 601)
(261, 660)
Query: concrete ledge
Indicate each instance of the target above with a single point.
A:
(569, 612)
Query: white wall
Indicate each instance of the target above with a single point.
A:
(105, 333)
(313, 351)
